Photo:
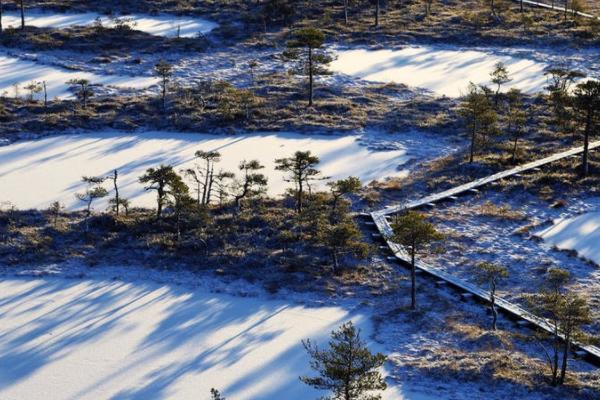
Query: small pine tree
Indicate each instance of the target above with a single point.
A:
(165, 71)
(480, 117)
(347, 368)
(491, 274)
(314, 63)
(302, 171)
(215, 395)
(413, 231)
(94, 191)
(499, 77)
(158, 179)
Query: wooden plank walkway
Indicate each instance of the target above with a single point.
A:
(400, 253)
(556, 7)
(455, 191)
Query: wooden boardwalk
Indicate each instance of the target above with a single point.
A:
(380, 219)
(559, 8)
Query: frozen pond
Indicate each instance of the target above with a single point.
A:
(160, 25)
(581, 234)
(53, 166)
(14, 71)
(444, 72)
(105, 339)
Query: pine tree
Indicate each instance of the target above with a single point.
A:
(84, 92)
(480, 117)
(158, 179)
(346, 368)
(516, 119)
(491, 274)
(252, 182)
(93, 191)
(313, 63)
(302, 171)
(414, 232)
(587, 100)
(165, 71)
(499, 77)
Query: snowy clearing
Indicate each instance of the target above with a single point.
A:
(14, 71)
(55, 164)
(444, 72)
(581, 233)
(103, 339)
(159, 25)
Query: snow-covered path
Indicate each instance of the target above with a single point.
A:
(16, 74)
(159, 25)
(53, 166)
(105, 339)
(442, 71)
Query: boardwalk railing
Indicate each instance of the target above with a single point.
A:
(383, 226)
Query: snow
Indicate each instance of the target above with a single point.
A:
(53, 166)
(104, 339)
(581, 233)
(443, 71)
(159, 25)
(15, 71)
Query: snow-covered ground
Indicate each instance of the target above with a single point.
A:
(16, 74)
(106, 339)
(53, 166)
(159, 25)
(581, 233)
(444, 71)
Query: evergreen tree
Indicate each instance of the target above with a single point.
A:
(84, 92)
(302, 171)
(165, 71)
(341, 188)
(516, 119)
(158, 179)
(587, 100)
(559, 93)
(414, 232)
(93, 191)
(180, 200)
(215, 395)
(314, 62)
(480, 117)
(343, 238)
(491, 274)
(252, 182)
(499, 77)
(346, 368)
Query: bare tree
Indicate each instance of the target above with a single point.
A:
(491, 274)
(94, 191)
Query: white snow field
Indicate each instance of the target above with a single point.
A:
(105, 339)
(53, 166)
(159, 25)
(581, 233)
(15, 74)
(442, 71)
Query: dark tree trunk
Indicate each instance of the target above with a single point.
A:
(377, 11)
(472, 152)
(45, 92)
(117, 201)
(346, 12)
(299, 196)
(0, 16)
(413, 280)
(493, 305)
(567, 350)
(310, 77)
(586, 141)
(159, 201)
(22, 15)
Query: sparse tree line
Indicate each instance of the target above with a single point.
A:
(575, 105)
(192, 194)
